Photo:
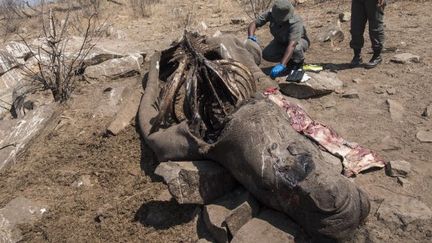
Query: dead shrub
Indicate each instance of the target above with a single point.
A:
(254, 8)
(142, 8)
(58, 70)
(11, 15)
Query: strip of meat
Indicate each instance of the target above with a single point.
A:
(355, 158)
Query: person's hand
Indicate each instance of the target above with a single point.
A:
(381, 3)
(277, 70)
(253, 38)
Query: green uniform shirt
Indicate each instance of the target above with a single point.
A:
(292, 30)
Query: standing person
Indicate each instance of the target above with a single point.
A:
(371, 11)
(290, 39)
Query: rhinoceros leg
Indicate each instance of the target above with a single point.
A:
(286, 171)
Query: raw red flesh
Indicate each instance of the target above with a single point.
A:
(355, 158)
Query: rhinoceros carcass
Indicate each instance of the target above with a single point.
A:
(198, 105)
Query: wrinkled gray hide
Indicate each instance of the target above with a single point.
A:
(280, 167)
(286, 171)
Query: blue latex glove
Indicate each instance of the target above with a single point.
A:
(253, 38)
(277, 70)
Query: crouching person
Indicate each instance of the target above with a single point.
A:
(290, 39)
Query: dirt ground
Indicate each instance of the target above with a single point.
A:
(125, 202)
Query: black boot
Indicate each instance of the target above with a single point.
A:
(357, 59)
(375, 60)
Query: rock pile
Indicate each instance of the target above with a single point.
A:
(230, 213)
(23, 115)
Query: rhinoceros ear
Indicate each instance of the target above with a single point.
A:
(293, 174)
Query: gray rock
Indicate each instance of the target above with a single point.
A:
(204, 241)
(164, 196)
(7, 62)
(18, 50)
(255, 50)
(403, 210)
(238, 20)
(332, 33)
(227, 215)
(351, 94)
(405, 58)
(389, 144)
(320, 84)
(427, 111)
(18, 211)
(83, 181)
(131, 97)
(398, 168)
(391, 91)
(357, 80)
(269, 226)
(214, 216)
(396, 110)
(17, 133)
(425, 136)
(345, 16)
(115, 68)
(244, 212)
(196, 182)
(9, 81)
(403, 182)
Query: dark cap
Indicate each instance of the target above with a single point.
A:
(282, 11)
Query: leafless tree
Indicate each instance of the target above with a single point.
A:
(254, 8)
(10, 15)
(142, 7)
(58, 70)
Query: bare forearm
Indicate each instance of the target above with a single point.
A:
(252, 28)
(288, 53)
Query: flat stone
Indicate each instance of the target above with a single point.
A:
(18, 211)
(130, 101)
(404, 58)
(357, 80)
(18, 50)
(244, 212)
(255, 50)
(389, 144)
(164, 196)
(351, 94)
(403, 182)
(196, 182)
(319, 84)
(329, 103)
(269, 226)
(331, 33)
(227, 215)
(345, 16)
(9, 81)
(115, 68)
(7, 62)
(425, 136)
(214, 216)
(427, 111)
(396, 110)
(15, 134)
(398, 168)
(403, 210)
(391, 91)
(238, 20)
(83, 181)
